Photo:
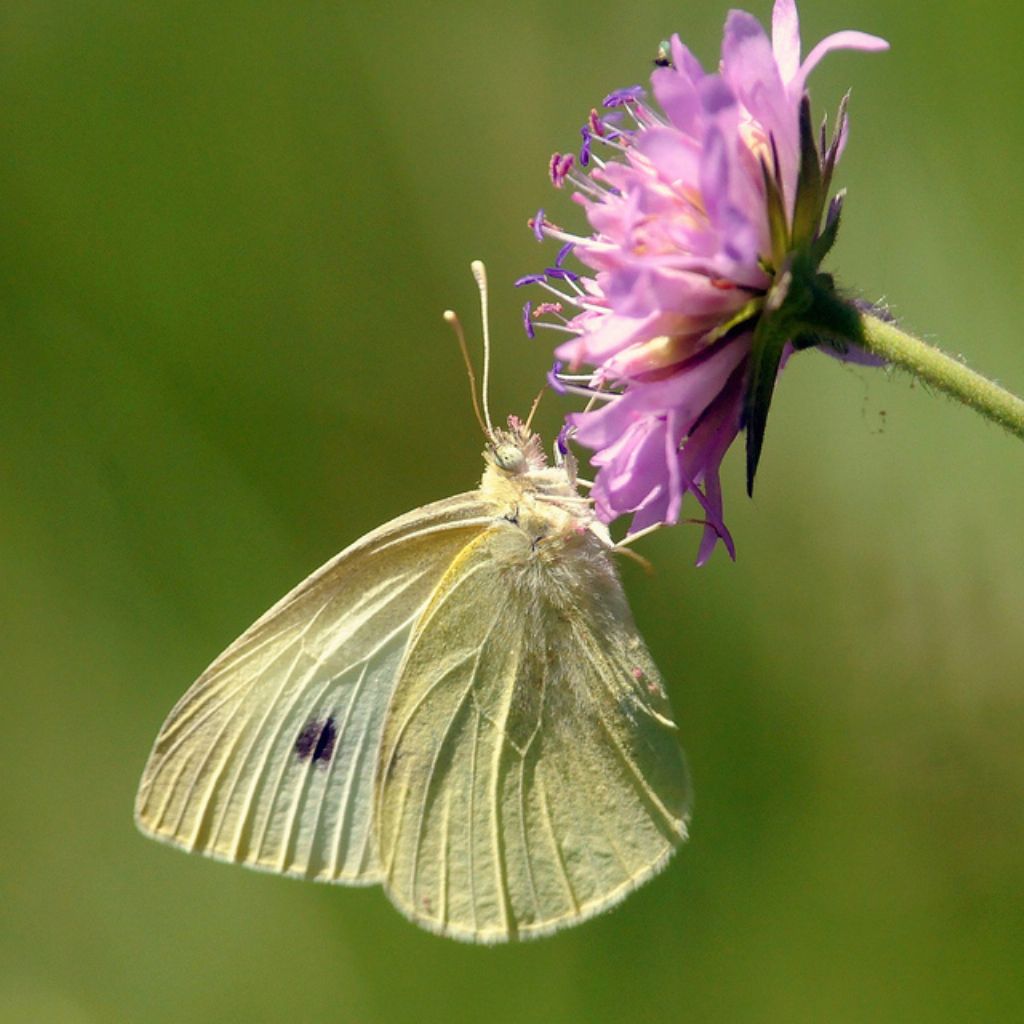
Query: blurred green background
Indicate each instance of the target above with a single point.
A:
(228, 233)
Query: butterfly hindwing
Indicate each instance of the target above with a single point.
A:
(268, 759)
(530, 773)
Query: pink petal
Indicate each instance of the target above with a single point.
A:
(639, 290)
(714, 172)
(614, 334)
(846, 40)
(674, 156)
(684, 60)
(786, 38)
(748, 65)
(676, 93)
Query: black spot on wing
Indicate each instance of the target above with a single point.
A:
(325, 744)
(307, 739)
(316, 740)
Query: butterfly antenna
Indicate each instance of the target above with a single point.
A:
(533, 408)
(631, 537)
(644, 563)
(480, 275)
(451, 318)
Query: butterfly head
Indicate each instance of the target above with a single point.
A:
(518, 477)
(516, 451)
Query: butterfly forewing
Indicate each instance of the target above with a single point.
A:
(269, 757)
(530, 774)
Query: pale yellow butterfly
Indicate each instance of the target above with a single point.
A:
(458, 707)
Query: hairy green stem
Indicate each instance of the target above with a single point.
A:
(943, 372)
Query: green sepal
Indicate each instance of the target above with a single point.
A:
(830, 153)
(810, 196)
(803, 308)
(740, 319)
(770, 339)
(778, 225)
(823, 243)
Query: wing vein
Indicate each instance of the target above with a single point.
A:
(472, 816)
(346, 798)
(553, 838)
(414, 710)
(212, 783)
(524, 837)
(269, 746)
(289, 839)
(641, 785)
(441, 742)
(443, 868)
(502, 744)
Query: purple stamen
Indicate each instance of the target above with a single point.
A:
(555, 382)
(563, 435)
(527, 320)
(563, 252)
(585, 148)
(561, 274)
(623, 97)
(559, 167)
(538, 225)
(530, 279)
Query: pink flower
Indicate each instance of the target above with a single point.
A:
(706, 203)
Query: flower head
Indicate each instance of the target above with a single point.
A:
(708, 223)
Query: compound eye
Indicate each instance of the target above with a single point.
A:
(509, 458)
